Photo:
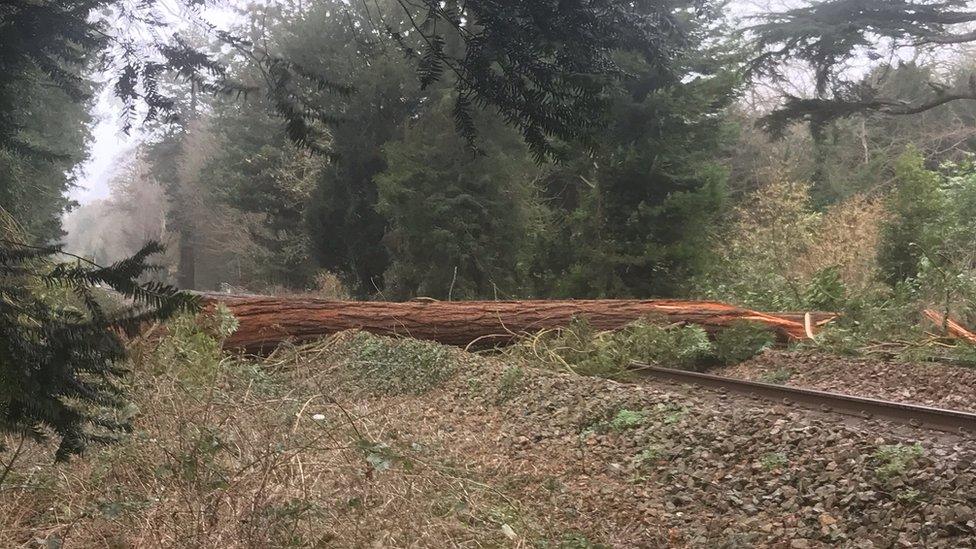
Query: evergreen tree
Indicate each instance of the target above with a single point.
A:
(46, 51)
(457, 219)
(631, 216)
(60, 355)
(909, 235)
(861, 153)
(342, 219)
(38, 157)
(257, 170)
(60, 349)
(544, 65)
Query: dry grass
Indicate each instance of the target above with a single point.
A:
(230, 453)
(338, 444)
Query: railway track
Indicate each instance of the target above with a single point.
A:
(951, 421)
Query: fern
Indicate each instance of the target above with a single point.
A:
(61, 351)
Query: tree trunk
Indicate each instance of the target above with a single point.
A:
(186, 278)
(266, 321)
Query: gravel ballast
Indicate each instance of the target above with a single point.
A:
(930, 384)
(661, 465)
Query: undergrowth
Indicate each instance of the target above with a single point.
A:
(879, 262)
(399, 366)
(231, 451)
(888, 324)
(615, 354)
(742, 341)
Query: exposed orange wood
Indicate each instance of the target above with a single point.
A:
(951, 326)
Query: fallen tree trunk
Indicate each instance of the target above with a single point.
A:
(266, 321)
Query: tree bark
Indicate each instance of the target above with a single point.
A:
(186, 277)
(267, 321)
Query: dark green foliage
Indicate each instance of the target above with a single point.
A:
(59, 37)
(457, 219)
(945, 263)
(60, 349)
(405, 207)
(908, 234)
(685, 346)
(302, 87)
(742, 341)
(826, 291)
(316, 210)
(442, 220)
(38, 157)
(345, 226)
(51, 39)
(257, 170)
(811, 33)
(42, 115)
(544, 65)
(632, 217)
(46, 49)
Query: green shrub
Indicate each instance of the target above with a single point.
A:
(61, 352)
(756, 251)
(399, 366)
(742, 341)
(194, 344)
(915, 204)
(929, 237)
(826, 291)
(644, 341)
(670, 413)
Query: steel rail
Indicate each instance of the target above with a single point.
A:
(952, 421)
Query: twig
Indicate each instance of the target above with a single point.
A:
(450, 291)
(9, 465)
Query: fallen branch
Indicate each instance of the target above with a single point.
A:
(951, 327)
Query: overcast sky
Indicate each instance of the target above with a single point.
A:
(108, 149)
